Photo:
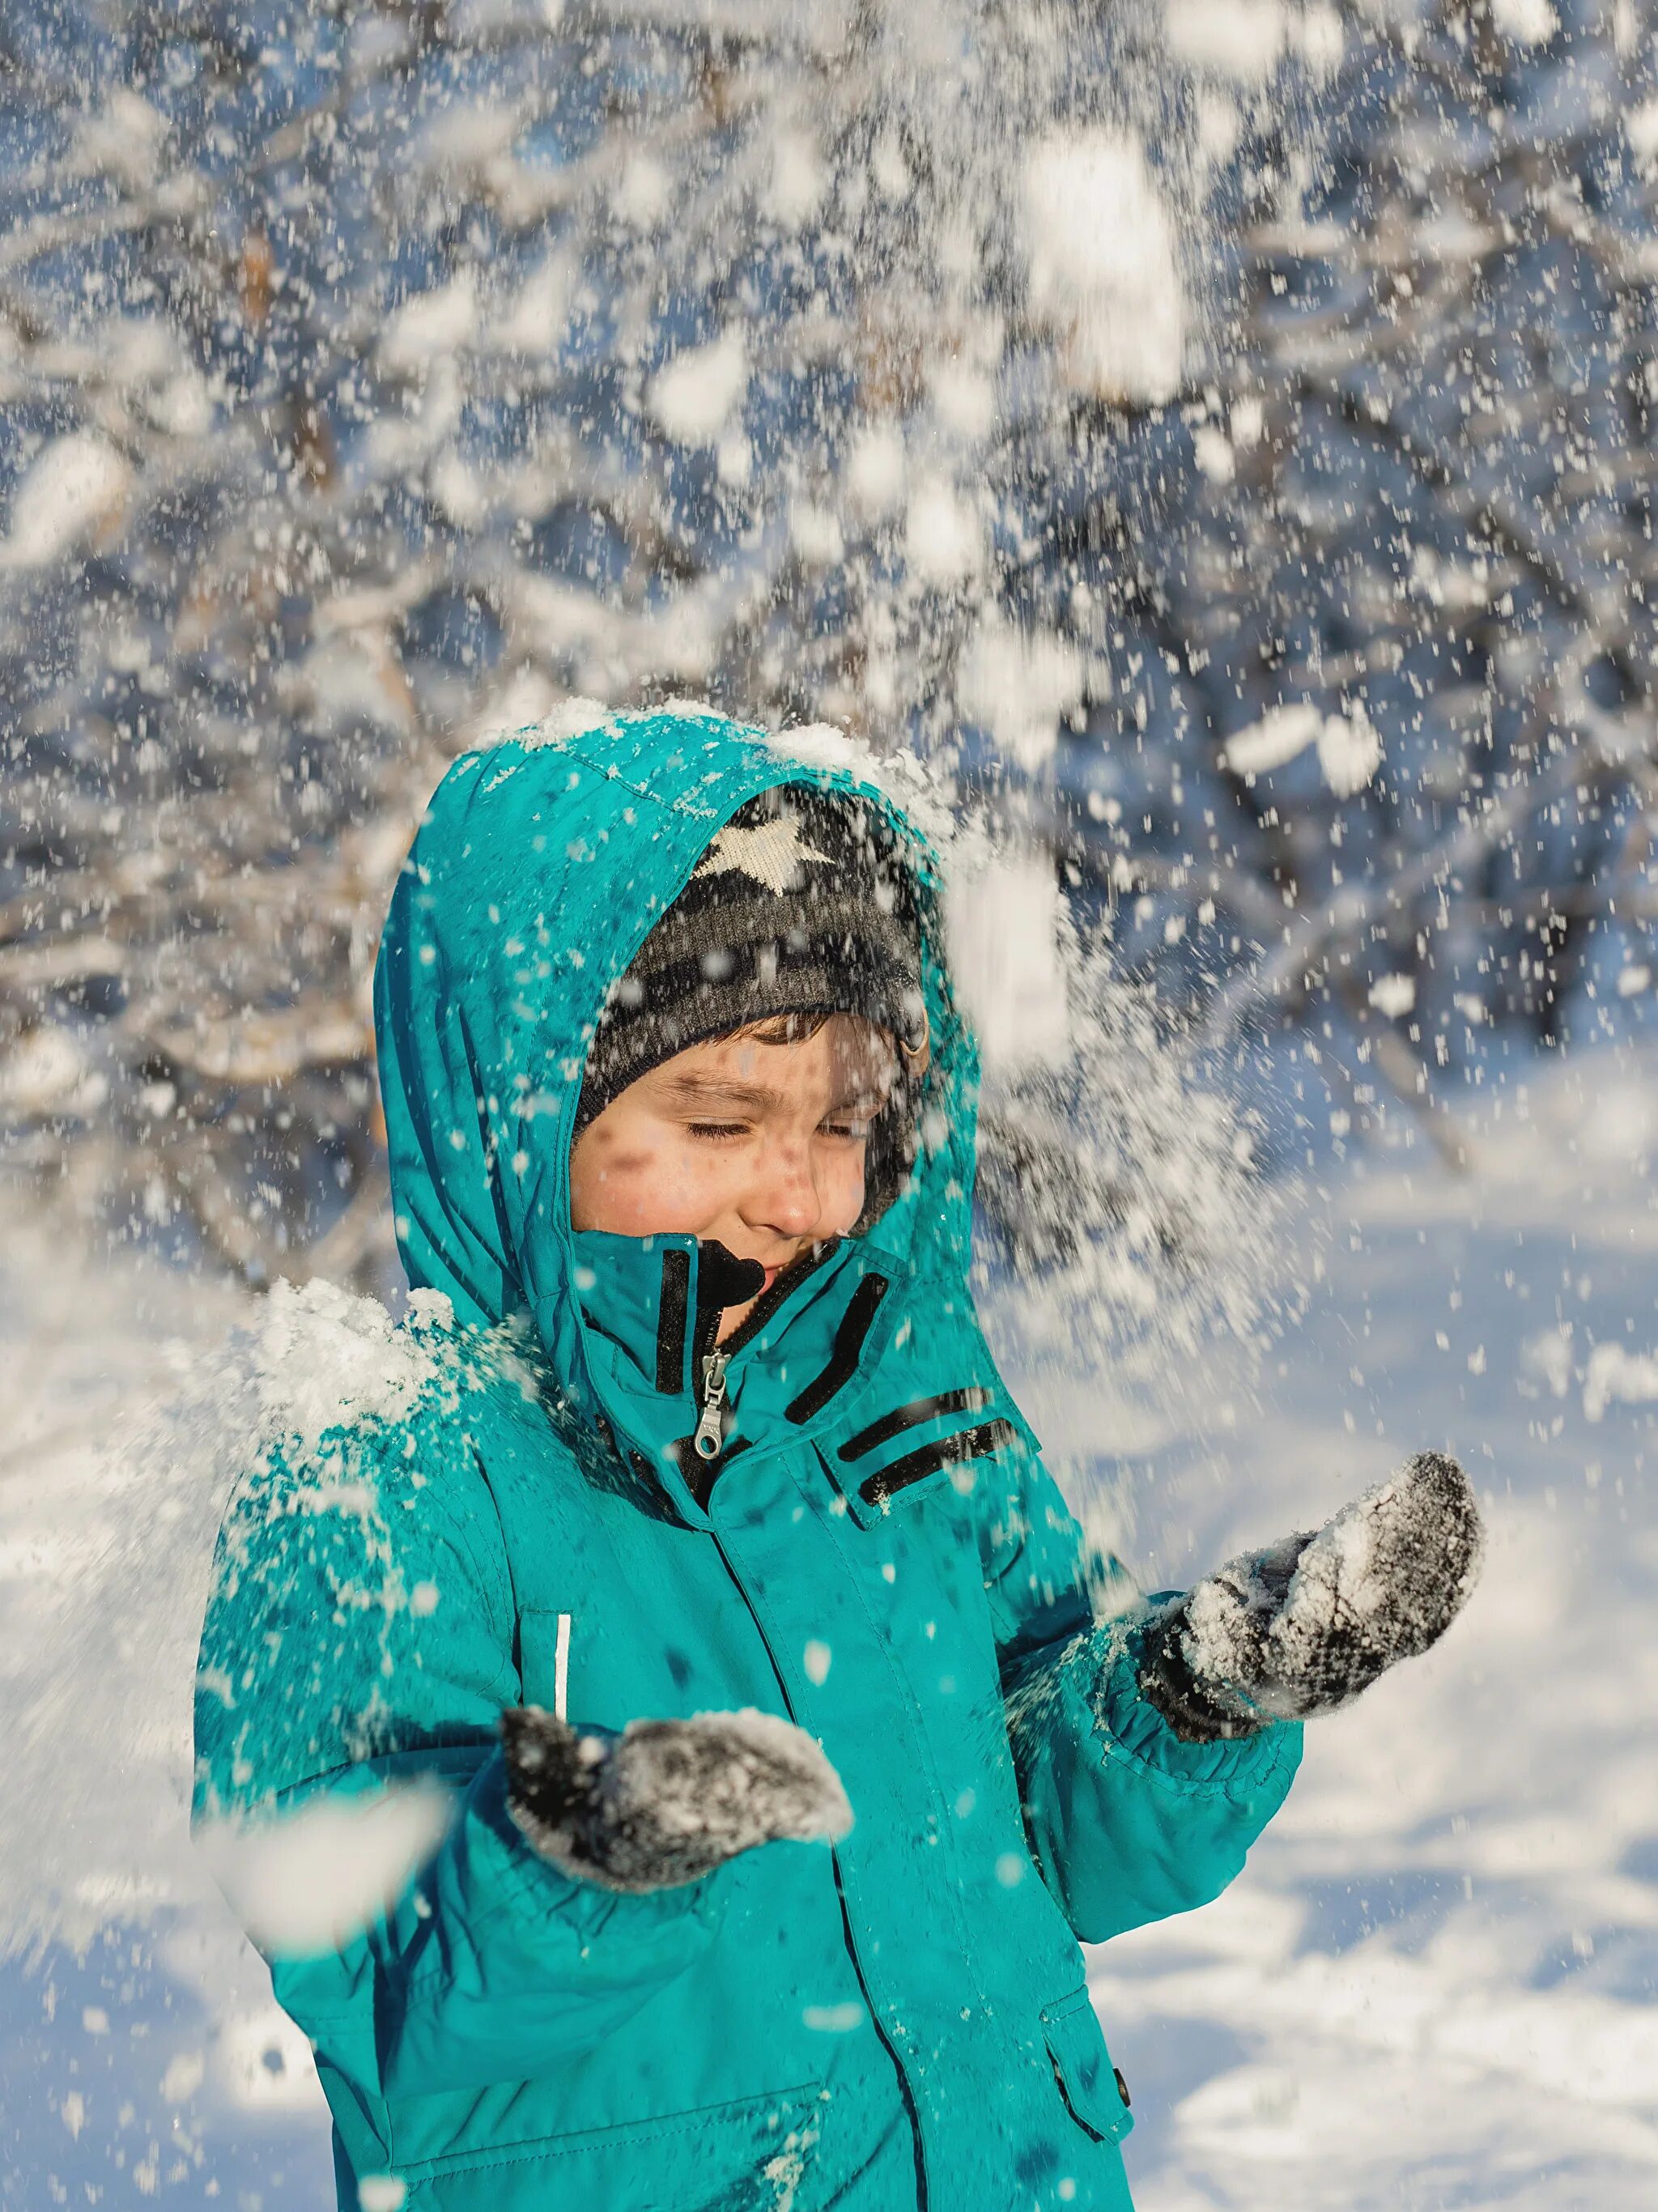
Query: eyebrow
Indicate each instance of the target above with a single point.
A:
(704, 1091)
(700, 1090)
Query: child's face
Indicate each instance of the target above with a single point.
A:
(757, 1141)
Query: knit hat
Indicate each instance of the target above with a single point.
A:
(800, 905)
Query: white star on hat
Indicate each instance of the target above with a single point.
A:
(771, 852)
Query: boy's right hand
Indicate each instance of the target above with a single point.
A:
(1302, 1627)
(666, 1802)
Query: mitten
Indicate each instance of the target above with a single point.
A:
(666, 1802)
(1302, 1628)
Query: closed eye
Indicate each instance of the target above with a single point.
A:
(718, 1132)
(853, 1120)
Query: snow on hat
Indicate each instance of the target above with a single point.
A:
(800, 905)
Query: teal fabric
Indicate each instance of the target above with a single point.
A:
(898, 2023)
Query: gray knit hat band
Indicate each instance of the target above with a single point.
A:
(800, 905)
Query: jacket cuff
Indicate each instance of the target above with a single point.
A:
(1132, 1728)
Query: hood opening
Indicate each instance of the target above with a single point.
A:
(539, 872)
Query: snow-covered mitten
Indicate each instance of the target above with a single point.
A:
(1302, 1628)
(666, 1802)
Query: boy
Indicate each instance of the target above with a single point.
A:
(710, 1538)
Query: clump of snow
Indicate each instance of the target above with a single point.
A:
(1640, 128)
(1104, 272)
(1019, 685)
(1320, 38)
(799, 179)
(816, 533)
(533, 318)
(47, 1071)
(1393, 995)
(874, 471)
(1349, 747)
(124, 140)
(1614, 1375)
(1213, 452)
(310, 1880)
(1280, 735)
(695, 395)
(76, 489)
(124, 1524)
(1527, 22)
(1004, 926)
(642, 193)
(1238, 38)
(822, 745)
(944, 533)
(1349, 751)
(322, 1359)
(430, 327)
(570, 718)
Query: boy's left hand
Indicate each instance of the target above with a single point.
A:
(666, 1802)
(1300, 1629)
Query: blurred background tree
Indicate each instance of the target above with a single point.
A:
(1221, 430)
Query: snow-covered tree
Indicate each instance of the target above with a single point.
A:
(1220, 430)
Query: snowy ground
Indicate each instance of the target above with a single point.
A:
(1433, 1987)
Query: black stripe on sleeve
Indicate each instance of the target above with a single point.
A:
(855, 1325)
(950, 1451)
(970, 1401)
(671, 1321)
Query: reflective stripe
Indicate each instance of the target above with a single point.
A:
(562, 1668)
(950, 1451)
(671, 1319)
(973, 1400)
(848, 1348)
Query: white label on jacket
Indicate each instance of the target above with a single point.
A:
(562, 1668)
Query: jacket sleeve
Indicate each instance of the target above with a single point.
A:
(1126, 1823)
(360, 1634)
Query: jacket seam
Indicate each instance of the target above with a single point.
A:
(1226, 1782)
(557, 2146)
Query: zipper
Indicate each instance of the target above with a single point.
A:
(710, 1438)
(712, 1358)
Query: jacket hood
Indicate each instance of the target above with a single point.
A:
(540, 866)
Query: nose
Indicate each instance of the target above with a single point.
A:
(785, 1197)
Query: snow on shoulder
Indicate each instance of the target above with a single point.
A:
(320, 1360)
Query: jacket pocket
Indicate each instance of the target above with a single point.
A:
(713, 2154)
(1088, 2082)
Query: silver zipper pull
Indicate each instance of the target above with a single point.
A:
(708, 1438)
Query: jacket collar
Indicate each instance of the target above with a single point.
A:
(797, 1368)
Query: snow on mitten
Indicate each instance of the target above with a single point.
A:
(1302, 1628)
(666, 1802)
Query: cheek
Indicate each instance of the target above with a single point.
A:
(636, 1185)
(843, 1193)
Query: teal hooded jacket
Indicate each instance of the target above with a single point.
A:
(896, 2022)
